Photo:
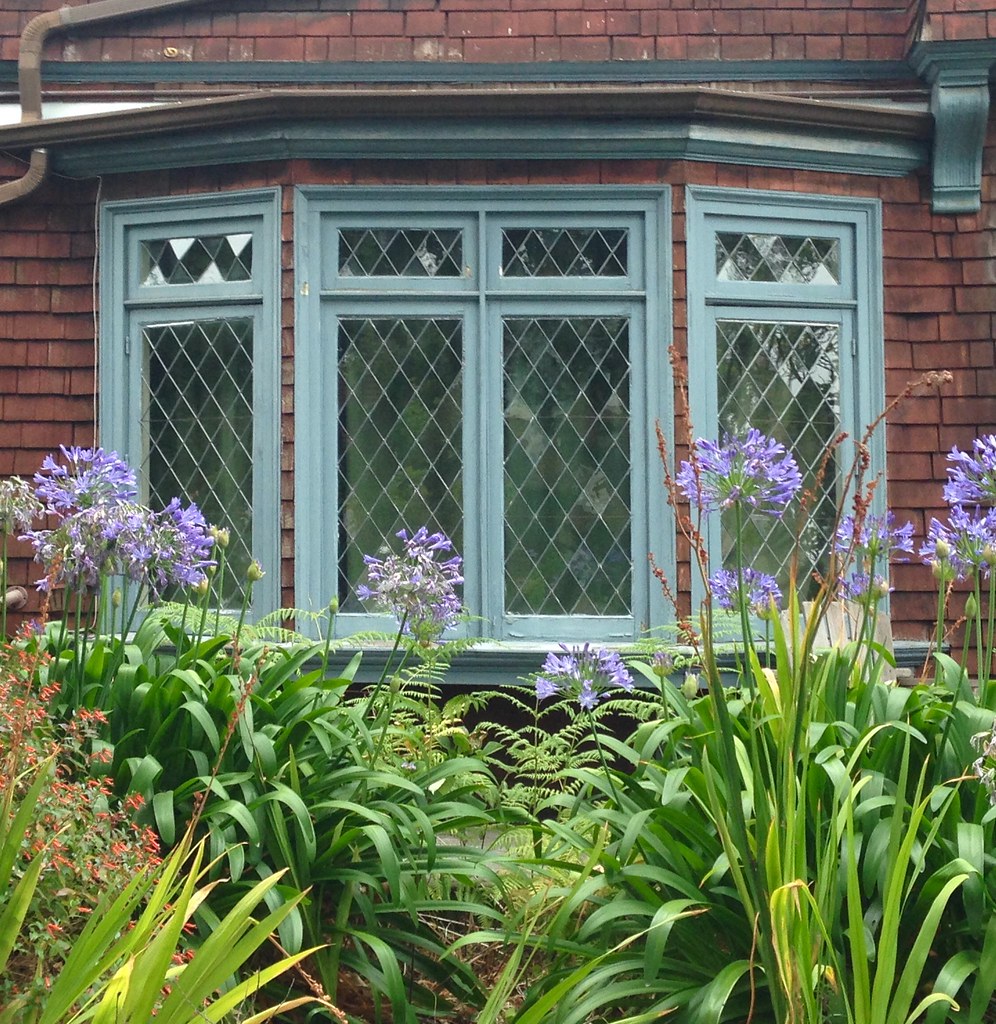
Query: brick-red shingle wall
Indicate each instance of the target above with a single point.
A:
(487, 31)
(46, 331)
(940, 299)
(959, 19)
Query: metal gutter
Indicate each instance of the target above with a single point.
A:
(29, 63)
(281, 106)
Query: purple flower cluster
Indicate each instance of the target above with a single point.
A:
(966, 543)
(583, 672)
(90, 477)
(760, 590)
(103, 532)
(972, 478)
(417, 586)
(754, 471)
(868, 547)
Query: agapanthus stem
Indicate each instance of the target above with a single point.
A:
(939, 631)
(984, 675)
(387, 664)
(333, 609)
(601, 757)
(246, 601)
(742, 599)
(979, 645)
(220, 578)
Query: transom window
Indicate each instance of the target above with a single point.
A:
(490, 364)
(785, 330)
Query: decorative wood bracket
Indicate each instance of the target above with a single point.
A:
(958, 73)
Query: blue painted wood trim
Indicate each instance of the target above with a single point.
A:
(119, 370)
(326, 72)
(316, 371)
(858, 308)
(959, 73)
(832, 151)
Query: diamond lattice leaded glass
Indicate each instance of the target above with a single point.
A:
(564, 252)
(400, 436)
(198, 427)
(401, 252)
(777, 259)
(784, 379)
(567, 465)
(207, 259)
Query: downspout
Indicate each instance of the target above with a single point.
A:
(29, 64)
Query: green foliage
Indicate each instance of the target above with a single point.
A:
(362, 803)
(92, 923)
(802, 850)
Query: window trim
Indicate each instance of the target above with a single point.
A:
(124, 303)
(857, 304)
(315, 555)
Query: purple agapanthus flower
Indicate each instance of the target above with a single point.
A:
(966, 544)
(755, 472)
(89, 477)
(582, 672)
(180, 548)
(417, 586)
(760, 590)
(868, 549)
(89, 543)
(101, 531)
(972, 477)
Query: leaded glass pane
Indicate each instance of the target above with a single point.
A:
(564, 252)
(401, 252)
(207, 259)
(777, 259)
(784, 379)
(198, 427)
(567, 465)
(400, 436)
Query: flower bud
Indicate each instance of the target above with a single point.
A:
(971, 607)
(334, 606)
(220, 535)
(989, 555)
(942, 571)
(202, 586)
(255, 572)
(663, 664)
(881, 589)
(116, 597)
(690, 687)
(942, 549)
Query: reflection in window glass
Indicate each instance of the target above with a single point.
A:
(564, 252)
(784, 379)
(208, 259)
(400, 436)
(777, 259)
(198, 426)
(400, 252)
(567, 465)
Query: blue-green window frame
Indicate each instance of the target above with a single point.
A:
(855, 303)
(481, 297)
(128, 304)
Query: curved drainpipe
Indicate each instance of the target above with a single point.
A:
(29, 63)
